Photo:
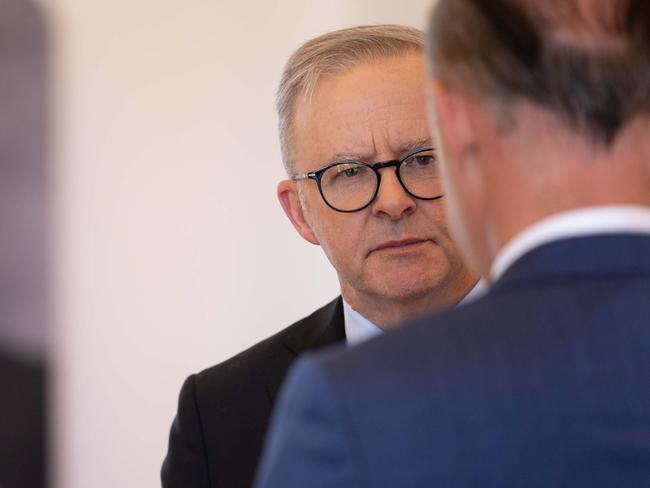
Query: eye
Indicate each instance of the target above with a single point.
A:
(424, 159)
(350, 172)
(347, 175)
(421, 160)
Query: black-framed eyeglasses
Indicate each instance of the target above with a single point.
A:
(350, 186)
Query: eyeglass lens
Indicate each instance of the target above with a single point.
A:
(351, 186)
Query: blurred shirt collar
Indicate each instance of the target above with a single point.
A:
(359, 329)
(614, 219)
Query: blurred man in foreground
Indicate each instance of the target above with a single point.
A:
(364, 185)
(543, 115)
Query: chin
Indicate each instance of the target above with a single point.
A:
(407, 287)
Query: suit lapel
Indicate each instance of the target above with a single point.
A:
(322, 328)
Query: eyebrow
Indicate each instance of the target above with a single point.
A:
(415, 145)
(404, 149)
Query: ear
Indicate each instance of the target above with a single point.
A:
(455, 124)
(460, 127)
(290, 201)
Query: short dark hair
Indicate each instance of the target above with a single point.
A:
(588, 62)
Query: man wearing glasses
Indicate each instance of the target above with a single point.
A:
(364, 184)
(543, 111)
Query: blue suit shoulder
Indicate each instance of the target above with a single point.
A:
(528, 386)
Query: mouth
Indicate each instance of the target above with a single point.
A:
(401, 245)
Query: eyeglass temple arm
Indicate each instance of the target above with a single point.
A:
(304, 176)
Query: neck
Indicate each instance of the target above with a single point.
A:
(387, 312)
(568, 175)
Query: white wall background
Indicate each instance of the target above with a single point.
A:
(171, 253)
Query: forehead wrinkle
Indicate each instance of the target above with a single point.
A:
(383, 138)
(397, 151)
(362, 127)
(365, 147)
(415, 144)
(411, 133)
(400, 129)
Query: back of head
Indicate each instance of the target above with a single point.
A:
(554, 97)
(335, 53)
(588, 61)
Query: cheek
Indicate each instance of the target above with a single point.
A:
(458, 216)
(455, 219)
(341, 235)
(464, 220)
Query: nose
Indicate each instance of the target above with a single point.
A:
(392, 201)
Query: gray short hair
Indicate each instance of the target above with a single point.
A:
(335, 53)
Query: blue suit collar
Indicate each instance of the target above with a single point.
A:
(591, 257)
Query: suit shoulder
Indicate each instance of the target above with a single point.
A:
(436, 337)
(273, 353)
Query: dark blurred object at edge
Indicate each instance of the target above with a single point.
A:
(23, 245)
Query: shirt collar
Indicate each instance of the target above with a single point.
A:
(614, 219)
(359, 329)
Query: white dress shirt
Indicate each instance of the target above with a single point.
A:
(615, 219)
(358, 328)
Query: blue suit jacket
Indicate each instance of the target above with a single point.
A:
(543, 382)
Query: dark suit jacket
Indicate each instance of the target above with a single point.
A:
(544, 382)
(223, 412)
